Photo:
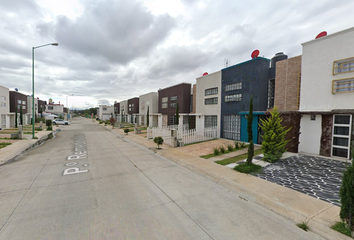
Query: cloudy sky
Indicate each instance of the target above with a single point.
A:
(113, 50)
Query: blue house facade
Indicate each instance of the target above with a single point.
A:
(239, 83)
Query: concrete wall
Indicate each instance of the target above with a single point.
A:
(4, 107)
(145, 101)
(212, 80)
(310, 137)
(287, 84)
(317, 72)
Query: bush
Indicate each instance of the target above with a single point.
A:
(248, 168)
(271, 158)
(216, 151)
(230, 147)
(50, 128)
(100, 122)
(237, 146)
(346, 194)
(40, 119)
(222, 149)
(342, 228)
(48, 123)
(126, 130)
(158, 141)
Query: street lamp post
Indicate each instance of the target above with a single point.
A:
(33, 118)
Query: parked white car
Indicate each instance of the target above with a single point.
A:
(60, 122)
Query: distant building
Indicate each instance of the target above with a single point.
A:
(148, 101)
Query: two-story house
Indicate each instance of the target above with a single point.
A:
(5, 117)
(133, 110)
(149, 102)
(327, 95)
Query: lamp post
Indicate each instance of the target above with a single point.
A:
(33, 119)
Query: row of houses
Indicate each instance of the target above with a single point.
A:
(14, 101)
(314, 93)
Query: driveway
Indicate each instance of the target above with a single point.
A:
(315, 176)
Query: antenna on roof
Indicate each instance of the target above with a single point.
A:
(227, 62)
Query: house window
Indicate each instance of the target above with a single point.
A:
(23, 102)
(341, 135)
(210, 121)
(23, 107)
(232, 127)
(343, 66)
(164, 100)
(19, 101)
(2, 104)
(271, 89)
(173, 105)
(211, 91)
(313, 117)
(343, 85)
(233, 98)
(174, 98)
(164, 105)
(130, 109)
(172, 120)
(2, 98)
(50, 107)
(209, 101)
(104, 109)
(233, 86)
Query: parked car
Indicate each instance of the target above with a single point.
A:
(60, 122)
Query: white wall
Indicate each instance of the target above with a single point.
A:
(4, 107)
(148, 100)
(310, 137)
(105, 112)
(317, 72)
(209, 81)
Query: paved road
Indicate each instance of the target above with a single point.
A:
(111, 188)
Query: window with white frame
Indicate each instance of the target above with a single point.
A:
(211, 91)
(210, 121)
(341, 135)
(2, 104)
(343, 85)
(233, 86)
(232, 127)
(164, 105)
(343, 66)
(174, 98)
(172, 120)
(210, 101)
(173, 105)
(233, 98)
(19, 101)
(104, 109)
(165, 99)
(2, 98)
(50, 107)
(23, 102)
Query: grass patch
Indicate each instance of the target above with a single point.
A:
(226, 151)
(4, 144)
(245, 168)
(342, 228)
(237, 158)
(303, 226)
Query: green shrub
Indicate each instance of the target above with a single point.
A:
(126, 130)
(237, 146)
(158, 141)
(48, 123)
(271, 158)
(100, 122)
(222, 149)
(346, 194)
(303, 226)
(342, 228)
(50, 128)
(230, 147)
(216, 151)
(248, 168)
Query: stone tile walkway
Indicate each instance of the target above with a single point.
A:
(315, 176)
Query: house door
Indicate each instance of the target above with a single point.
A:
(341, 135)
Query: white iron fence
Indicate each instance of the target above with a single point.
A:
(183, 136)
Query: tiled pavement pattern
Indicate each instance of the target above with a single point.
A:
(315, 176)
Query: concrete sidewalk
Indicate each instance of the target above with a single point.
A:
(17, 148)
(296, 206)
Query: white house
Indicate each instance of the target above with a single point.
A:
(105, 112)
(148, 101)
(123, 111)
(5, 108)
(208, 101)
(327, 95)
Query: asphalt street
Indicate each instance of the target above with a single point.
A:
(89, 183)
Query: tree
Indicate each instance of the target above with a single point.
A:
(177, 115)
(147, 117)
(21, 116)
(274, 142)
(158, 141)
(16, 117)
(112, 120)
(346, 194)
(250, 133)
(41, 111)
(250, 121)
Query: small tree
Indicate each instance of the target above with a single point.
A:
(126, 130)
(21, 116)
(274, 142)
(177, 115)
(41, 111)
(250, 133)
(347, 197)
(158, 141)
(147, 117)
(16, 118)
(48, 123)
(112, 121)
